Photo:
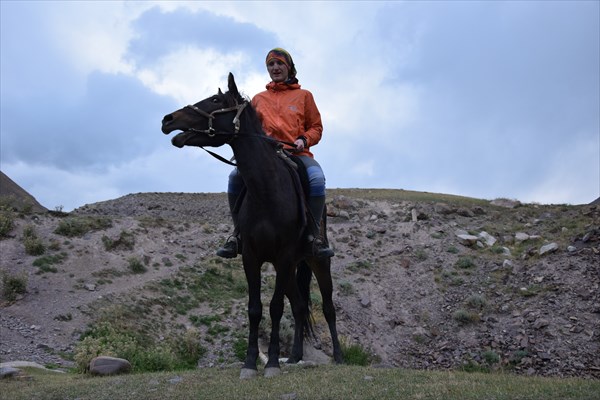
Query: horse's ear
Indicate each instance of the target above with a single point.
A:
(220, 93)
(232, 86)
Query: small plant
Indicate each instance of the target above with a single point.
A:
(79, 226)
(13, 286)
(354, 354)
(421, 254)
(465, 263)
(346, 288)
(490, 357)
(517, 356)
(136, 266)
(45, 263)
(7, 221)
(476, 302)
(240, 347)
(453, 250)
(125, 241)
(360, 265)
(465, 317)
(33, 244)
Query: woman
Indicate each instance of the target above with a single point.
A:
(288, 113)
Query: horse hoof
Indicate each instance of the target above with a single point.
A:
(248, 373)
(272, 371)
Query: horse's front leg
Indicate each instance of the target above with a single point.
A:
(252, 270)
(276, 312)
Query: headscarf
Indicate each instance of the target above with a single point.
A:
(280, 54)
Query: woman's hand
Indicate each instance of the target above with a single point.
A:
(299, 144)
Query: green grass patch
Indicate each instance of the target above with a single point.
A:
(360, 265)
(319, 383)
(46, 263)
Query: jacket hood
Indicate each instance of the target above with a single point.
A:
(279, 86)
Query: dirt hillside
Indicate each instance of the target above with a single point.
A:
(421, 280)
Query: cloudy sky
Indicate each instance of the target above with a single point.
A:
(485, 99)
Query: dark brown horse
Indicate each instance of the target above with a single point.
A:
(272, 219)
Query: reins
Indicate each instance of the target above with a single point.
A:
(211, 132)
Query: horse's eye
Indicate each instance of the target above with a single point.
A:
(215, 100)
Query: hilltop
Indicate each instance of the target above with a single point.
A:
(422, 280)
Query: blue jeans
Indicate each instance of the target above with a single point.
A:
(316, 178)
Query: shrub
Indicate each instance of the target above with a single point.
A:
(136, 266)
(240, 347)
(79, 226)
(45, 263)
(126, 241)
(465, 263)
(116, 340)
(464, 317)
(476, 302)
(354, 354)
(490, 357)
(7, 222)
(13, 286)
(346, 288)
(188, 349)
(33, 245)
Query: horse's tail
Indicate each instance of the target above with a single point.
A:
(303, 278)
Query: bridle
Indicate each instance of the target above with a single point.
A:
(211, 132)
(239, 108)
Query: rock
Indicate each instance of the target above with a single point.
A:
(548, 248)
(541, 323)
(487, 238)
(104, 365)
(521, 237)
(506, 203)
(467, 240)
(465, 212)
(443, 208)
(365, 301)
(90, 286)
(9, 372)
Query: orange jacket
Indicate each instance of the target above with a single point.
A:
(288, 113)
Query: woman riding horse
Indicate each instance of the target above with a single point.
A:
(288, 113)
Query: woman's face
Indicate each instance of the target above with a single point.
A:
(278, 71)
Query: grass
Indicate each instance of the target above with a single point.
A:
(323, 382)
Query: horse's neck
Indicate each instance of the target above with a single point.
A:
(259, 166)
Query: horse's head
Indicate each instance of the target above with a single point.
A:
(211, 122)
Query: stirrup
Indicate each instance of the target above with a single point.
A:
(231, 248)
(320, 250)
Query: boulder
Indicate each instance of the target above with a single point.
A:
(104, 365)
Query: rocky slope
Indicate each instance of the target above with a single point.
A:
(421, 280)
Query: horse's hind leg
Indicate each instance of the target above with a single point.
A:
(298, 293)
(254, 316)
(322, 270)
